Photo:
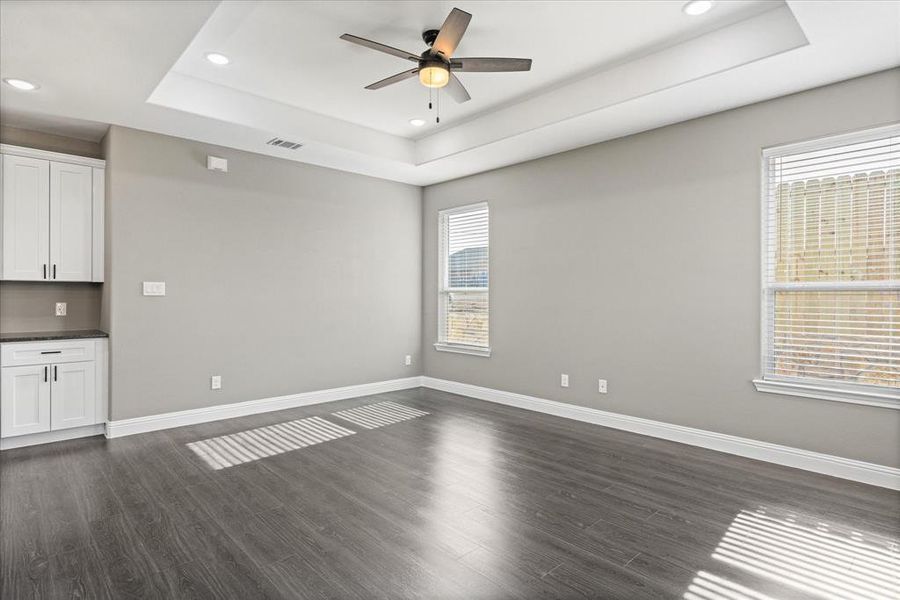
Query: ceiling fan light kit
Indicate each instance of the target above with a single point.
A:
(436, 65)
(434, 73)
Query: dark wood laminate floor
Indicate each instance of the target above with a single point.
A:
(473, 500)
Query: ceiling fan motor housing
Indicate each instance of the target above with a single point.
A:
(429, 35)
(434, 61)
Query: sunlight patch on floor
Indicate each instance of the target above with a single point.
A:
(246, 446)
(804, 554)
(371, 416)
(707, 586)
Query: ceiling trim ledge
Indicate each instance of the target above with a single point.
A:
(756, 38)
(211, 100)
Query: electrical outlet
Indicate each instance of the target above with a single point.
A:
(408, 360)
(60, 309)
(564, 380)
(601, 387)
(215, 382)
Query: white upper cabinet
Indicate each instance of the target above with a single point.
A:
(26, 218)
(51, 208)
(71, 222)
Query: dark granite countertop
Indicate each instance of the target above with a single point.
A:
(44, 336)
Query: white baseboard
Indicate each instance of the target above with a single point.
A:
(20, 441)
(193, 416)
(827, 464)
(836, 466)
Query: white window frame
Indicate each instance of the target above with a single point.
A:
(443, 259)
(833, 391)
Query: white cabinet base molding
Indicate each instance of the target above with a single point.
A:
(35, 439)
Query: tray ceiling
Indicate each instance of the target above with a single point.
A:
(601, 70)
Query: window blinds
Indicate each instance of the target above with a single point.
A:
(832, 261)
(463, 309)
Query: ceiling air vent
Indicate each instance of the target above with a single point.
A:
(284, 144)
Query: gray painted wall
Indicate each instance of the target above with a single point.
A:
(282, 277)
(31, 306)
(49, 141)
(637, 260)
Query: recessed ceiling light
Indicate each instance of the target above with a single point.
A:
(417, 122)
(217, 59)
(21, 84)
(697, 7)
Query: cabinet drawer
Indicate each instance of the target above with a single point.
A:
(40, 353)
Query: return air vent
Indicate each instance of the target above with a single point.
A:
(284, 144)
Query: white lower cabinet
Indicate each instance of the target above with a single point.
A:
(57, 392)
(24, 400)
(72, 399)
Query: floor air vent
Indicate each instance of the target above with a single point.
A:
(284, 144)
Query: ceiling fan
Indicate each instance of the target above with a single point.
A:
(436, 65)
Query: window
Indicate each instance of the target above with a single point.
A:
(831, 268)
(463, 288)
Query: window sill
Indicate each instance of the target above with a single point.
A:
(885, 399)
(460, 349)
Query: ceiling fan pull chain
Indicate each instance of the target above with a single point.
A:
(438, 94)
(429, 98)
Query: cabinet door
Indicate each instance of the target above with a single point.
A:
(24, 400)
(26, 218)
(71, 222)
(73, 401)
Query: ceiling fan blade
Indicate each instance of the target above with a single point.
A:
(393, 79)
(456, 90)
(380, 47)
(490, 65)
(451, 32)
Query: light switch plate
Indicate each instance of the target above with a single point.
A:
(601, 386)
(60, 309)
(564, 380)
(154, 288)
(408, 360)
(215, 382)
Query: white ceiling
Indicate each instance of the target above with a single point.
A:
(601, 70)
(295, 56)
